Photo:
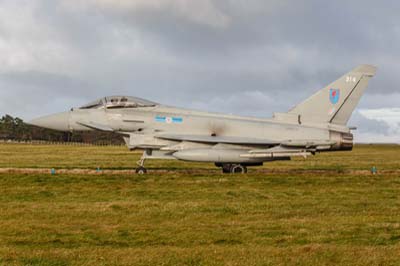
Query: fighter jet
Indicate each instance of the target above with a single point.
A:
(233, 143)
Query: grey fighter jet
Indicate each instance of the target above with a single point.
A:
(232, 142)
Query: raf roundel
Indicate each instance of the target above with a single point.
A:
(168, 120)
(334, 95)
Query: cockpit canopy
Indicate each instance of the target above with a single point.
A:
(115, 102)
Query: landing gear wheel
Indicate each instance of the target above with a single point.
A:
(238, 169)
(141, 170)
(226, 168)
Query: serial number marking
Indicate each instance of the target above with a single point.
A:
(351, 79)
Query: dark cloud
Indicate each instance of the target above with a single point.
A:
(244, 57)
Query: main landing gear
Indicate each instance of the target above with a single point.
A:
(233, 168)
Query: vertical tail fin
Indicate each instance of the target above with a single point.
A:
(336, 102)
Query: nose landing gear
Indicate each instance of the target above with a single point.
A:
(141, 170)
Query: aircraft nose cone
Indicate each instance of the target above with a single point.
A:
(58, 121)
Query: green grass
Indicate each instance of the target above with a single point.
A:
(118, 157)
(200, 217)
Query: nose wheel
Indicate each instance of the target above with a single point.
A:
(141, 170)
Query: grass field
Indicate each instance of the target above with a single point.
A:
(193, 215)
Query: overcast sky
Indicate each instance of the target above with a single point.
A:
(245, 57)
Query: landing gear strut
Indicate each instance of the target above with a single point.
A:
(233, 168)
(141, 170)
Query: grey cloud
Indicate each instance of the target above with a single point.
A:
(35, 79)
(266, 55)
(366, 125)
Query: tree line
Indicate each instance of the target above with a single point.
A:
(14, 128)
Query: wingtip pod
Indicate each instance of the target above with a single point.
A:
(368, 70)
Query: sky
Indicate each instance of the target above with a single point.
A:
(245, 57)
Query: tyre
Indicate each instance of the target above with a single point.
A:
(238, 169)
(226, 168)
(141, 170)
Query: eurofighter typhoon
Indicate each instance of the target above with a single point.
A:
(233, 143)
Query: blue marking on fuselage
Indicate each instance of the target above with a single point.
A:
(165, 119)
(178, 120)
(161, 119)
